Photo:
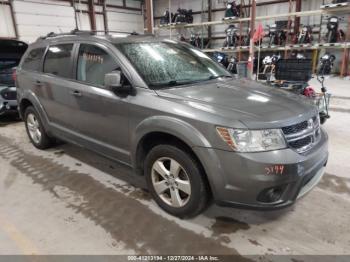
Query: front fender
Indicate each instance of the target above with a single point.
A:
(169, 125)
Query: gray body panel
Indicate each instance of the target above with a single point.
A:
(113, 125)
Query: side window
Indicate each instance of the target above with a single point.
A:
(33, 59)
(93, 64)
(58, 60)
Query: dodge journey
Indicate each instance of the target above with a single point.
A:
(176, 117)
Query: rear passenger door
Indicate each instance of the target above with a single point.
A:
(54, 87)
(103, 120)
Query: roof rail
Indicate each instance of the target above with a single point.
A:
(115, 31)
(84, 32)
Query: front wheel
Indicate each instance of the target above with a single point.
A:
(176, 181)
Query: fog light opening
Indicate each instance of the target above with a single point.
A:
(271, 195)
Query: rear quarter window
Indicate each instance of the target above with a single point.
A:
(32, 61)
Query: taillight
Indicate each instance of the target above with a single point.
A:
(14, 75)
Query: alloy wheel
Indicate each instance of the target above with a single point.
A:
(171, 182)
(33, 128)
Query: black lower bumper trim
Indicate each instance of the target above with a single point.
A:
(262, 207)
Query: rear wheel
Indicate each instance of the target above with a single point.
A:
(35, 129)
(176, 181)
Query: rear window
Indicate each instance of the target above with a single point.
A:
(58, 60)
(7, 64)
(12, 48)
(33, 60)
(6, 70)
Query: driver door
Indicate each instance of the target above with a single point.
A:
(103, 116)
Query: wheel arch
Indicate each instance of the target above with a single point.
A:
(164, 130)
(30, 99)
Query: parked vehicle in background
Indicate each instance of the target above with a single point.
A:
(231, 36)
(11, 52)
(183, 16)
(184, 124)
(268, 67)
(229, 63)
(232, 9)
(326, 64)
(334, 34)
(166, 18)
(221, 58)
(195, 40)
(232, 66)
(277, 36)
(305, 35)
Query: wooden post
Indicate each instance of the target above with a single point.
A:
(240, 31)
(297, 19)
(314, 60)
(92, 15)
(13, 18)
(288, 30)
(105, 19)
(251, 46)
(346, 54)
(149, 16)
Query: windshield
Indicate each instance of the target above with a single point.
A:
(165, 64)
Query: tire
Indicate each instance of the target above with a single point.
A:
(190, 174)
(35, 129)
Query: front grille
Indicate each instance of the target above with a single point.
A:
(304, 135)
(294, 128)
(9, 95)
(301, 142)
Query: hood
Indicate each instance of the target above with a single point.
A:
(254, 104)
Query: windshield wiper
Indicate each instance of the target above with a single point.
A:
(172, 83)
(220, 76)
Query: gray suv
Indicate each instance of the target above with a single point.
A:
(175, 116)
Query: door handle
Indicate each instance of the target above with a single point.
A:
(76, 93)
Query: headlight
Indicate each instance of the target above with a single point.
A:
(244, 140)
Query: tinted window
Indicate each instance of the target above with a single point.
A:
(93, 64)
(58, 60)
(13, 48)
(33, 60)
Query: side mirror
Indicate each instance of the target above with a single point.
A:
(114, 82)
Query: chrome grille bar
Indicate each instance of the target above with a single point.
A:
(304, 139)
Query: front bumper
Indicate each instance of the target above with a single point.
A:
(248, 180)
